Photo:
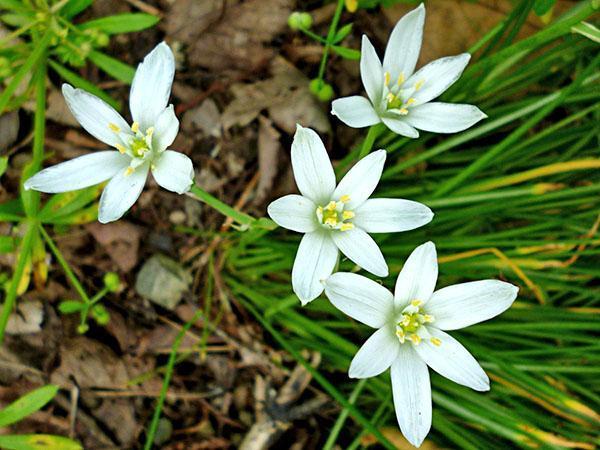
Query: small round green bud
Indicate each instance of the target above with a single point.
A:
(112, 281)
(100, 314)
(321, 90)
(297, 20)
(83, 328)
(102, 39)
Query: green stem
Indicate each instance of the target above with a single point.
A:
(32, 59)
(11, 295)
(372, 135)
(167, 381)
(330, 35)
(243, 219)
(65, 265)
(339, 423)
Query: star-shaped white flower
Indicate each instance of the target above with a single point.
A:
(338, 218)
(410, 337)
(400, 98)
(139, 148)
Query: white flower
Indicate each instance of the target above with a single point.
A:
(338, 217)
(139, 148)
(410, 337)
(400, 98)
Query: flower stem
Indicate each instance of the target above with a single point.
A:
(243, 219)
(330, 36)
(372, 135)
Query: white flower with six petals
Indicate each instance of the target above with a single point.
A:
(139, 148)
(410, 337)
(400, 98)
(338, 218)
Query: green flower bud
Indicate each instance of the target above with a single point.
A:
(321, 90)
(100, 314)
(83, 328)
(112, 281)
(298, 20)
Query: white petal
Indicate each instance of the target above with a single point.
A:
(312, 168)
(360, 298)
(371, 71)
(437, 76)
(78, 173)
(317, 256)
(165, 129)
(451, 360)
(400, 126)
(120, 193)
(404, 44)
(464, 304)
(411, 390)
(94, 115)
(357, 245)
(174, 171)
(418, 275)
(444, 117)
(361, 180)
(151, 86)
(387, 215)
(376, 355)
(355, 111)
(295, 213)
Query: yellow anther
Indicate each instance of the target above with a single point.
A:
(410, 101)
(405, 320)
(419, 84)
(427, 318)
(387, 77)
(150, 131)
(331, 206)
(391, 97)
(400, 79)
(128, 171)
(345, 198)
(347, 215)
(416, 303)
(135, 127)
(403, 111)
(114, 127)
(401, 336)
(120, 148)
(435, 341)
(346, 226)
(332, 221)
(320, 210)
(415, 338)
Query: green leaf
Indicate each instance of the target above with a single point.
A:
(3, 164)
(38, 442)
(70, 306)
(28, 404)
(67, 203)
(346, 53)
(14, 5)
(74, 7)
(115, 68)
(121, 23)
(7, 244)
(78, 82)
(541, 7)
(342, 33)
(588, 30)
(11, 210)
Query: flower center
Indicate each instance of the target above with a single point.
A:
(410, 324)
(333, 216)
(138, 146)
(399, 97)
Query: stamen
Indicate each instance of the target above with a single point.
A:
(428, 318)
(150, 132)
(114, 127)
(129, 171)
(416, 303)
(401, 336)
(332, 221)
(347, 226)
(419, 84)
(390, 97)
(345, 198)
(400, 79)
(403, 111)
(120, 148)
(331, 206)
(415, 338)
(435, 341)
(347, 215)
(135, 127)
(410, 101)
(387, 77)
